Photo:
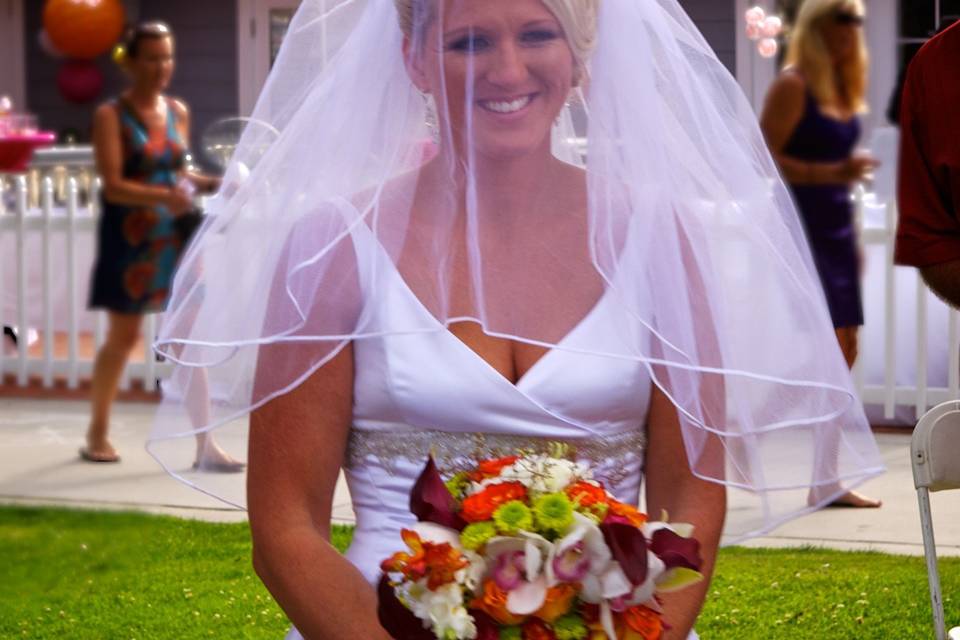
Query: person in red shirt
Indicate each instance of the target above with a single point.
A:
(928, 234)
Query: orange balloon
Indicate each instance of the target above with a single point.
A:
(83, 28)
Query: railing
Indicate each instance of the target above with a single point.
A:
(31, 236)
(30, 261)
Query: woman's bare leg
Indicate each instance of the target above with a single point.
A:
(210, 455)
(122, 336)
(848, 339)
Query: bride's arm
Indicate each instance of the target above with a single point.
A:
(671, 486)
(297, 443)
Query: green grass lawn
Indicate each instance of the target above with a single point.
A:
(73, 575)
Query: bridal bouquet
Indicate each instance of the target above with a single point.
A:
(531, 547)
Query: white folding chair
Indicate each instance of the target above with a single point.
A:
(935, 451)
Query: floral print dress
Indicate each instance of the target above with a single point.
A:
(139, 246)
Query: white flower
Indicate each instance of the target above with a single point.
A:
(440, 610)
(537, 552)
(543, 474)
(445, 610)
(472, 575)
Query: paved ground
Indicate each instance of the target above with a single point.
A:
(39, 465)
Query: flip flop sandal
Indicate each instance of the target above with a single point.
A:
(100, 459)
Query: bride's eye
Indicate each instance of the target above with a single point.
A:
(472, 43)
(538, 36)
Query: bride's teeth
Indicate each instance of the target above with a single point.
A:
(507, 107)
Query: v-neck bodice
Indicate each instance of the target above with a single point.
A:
(420, 388)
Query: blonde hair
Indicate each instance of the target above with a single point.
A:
(578, 18)
(808, 53)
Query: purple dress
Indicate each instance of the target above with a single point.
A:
(827, 211)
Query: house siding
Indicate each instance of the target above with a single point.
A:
(206, 74)
(718, 21)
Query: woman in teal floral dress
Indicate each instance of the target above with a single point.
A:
(140, 140)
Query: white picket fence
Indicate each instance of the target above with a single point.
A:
(892, 393)
(73, 227)
(76, 224)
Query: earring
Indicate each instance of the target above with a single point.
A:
(430, 118)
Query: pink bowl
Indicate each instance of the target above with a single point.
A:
(17, 150)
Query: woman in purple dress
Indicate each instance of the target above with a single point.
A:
(811, 124)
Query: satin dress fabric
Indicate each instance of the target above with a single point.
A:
(407, 383)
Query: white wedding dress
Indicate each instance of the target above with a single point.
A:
(418, 392)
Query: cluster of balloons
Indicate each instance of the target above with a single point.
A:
(764, 29)
(77, 32)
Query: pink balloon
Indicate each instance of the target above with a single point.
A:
(772, 27)
(755, 15)
(754, 31)
(47, 46)
(768, 47)
(79, 81)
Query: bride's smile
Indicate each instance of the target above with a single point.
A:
(500, 71)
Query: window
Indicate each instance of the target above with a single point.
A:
(279, 23)
(919, 21)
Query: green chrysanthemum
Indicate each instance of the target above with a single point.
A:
(512, 517)
(511, 633)
(458, 484)
(597, 512)
(570, 627)
(475, 535)
(553, 513)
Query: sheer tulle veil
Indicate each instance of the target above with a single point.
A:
(656, 193)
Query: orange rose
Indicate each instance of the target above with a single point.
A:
(492, 468)
(558, 602)
(535, 630)
(645, 623)
(480, 506)
(587, 494)
(493, 602)
(632, 514)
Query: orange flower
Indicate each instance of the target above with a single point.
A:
(492, 468)
(493, 602)
(438, 562)
(558, 602)
(137, 226)
(632, 514)
(137, 279)
(587, 494)
(645, 623)
(535, 630)
(480, 506)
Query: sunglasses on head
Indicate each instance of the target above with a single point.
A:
(848, 19)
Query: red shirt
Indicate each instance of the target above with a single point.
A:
(929, 182)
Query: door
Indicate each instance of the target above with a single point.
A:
(262, 24)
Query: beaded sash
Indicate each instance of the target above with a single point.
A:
(454, 451)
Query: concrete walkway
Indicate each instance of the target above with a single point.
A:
(39, 465)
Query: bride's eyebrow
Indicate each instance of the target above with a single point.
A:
(550, 23)
(462, 31)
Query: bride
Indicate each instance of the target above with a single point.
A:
(423, 261)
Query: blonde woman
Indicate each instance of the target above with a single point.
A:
(811, 123)
(424, 264)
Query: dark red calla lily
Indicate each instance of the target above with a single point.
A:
(675, 550)
(487, 627)
(629, 548)
(395, 618)
(431, 501)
